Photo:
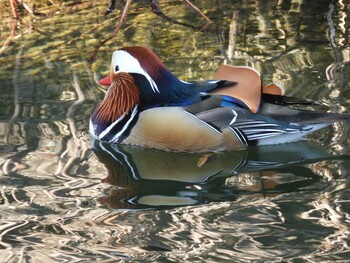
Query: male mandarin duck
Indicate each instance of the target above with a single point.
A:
(146, 105)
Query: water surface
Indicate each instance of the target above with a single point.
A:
(64, 198)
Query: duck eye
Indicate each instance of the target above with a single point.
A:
(116, 68)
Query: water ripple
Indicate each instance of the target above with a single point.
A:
(62, 201)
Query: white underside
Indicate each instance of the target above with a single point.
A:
(292, 137)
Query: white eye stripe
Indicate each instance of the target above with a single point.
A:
(127, 63)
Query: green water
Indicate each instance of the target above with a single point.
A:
(62, 201)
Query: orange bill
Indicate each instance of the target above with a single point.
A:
(105, 81)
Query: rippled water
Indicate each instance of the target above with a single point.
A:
(66, 199)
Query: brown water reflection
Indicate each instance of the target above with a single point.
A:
(62, 200)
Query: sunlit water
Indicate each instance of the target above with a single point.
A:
(66, 199)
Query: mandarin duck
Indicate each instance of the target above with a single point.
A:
(146, 105)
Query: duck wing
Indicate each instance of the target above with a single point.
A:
(273, 125)
(254, 129)
(250, 91)
(248, 88)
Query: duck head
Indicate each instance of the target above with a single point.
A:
(156, 84)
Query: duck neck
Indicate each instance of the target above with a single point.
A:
(165, 89)
(120, 101)
(118, 130)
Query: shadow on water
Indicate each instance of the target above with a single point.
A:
(152, 179)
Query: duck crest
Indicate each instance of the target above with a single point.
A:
(168, 88)
(148, 60)
(120, 99)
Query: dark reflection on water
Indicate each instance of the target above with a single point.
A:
(147, 178)
(63, 200)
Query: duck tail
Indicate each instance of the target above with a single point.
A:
(277, 107)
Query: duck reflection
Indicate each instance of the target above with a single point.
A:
(146, 178)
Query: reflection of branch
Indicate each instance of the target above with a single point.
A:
(116, 29)
(75, 147)
(158, 12)
(201, 14)
(232, 35)
(13, 4)
(16, 96)
(26, 7)
(10, 37)
(75, 105)
(156, 9)
(336, 66)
